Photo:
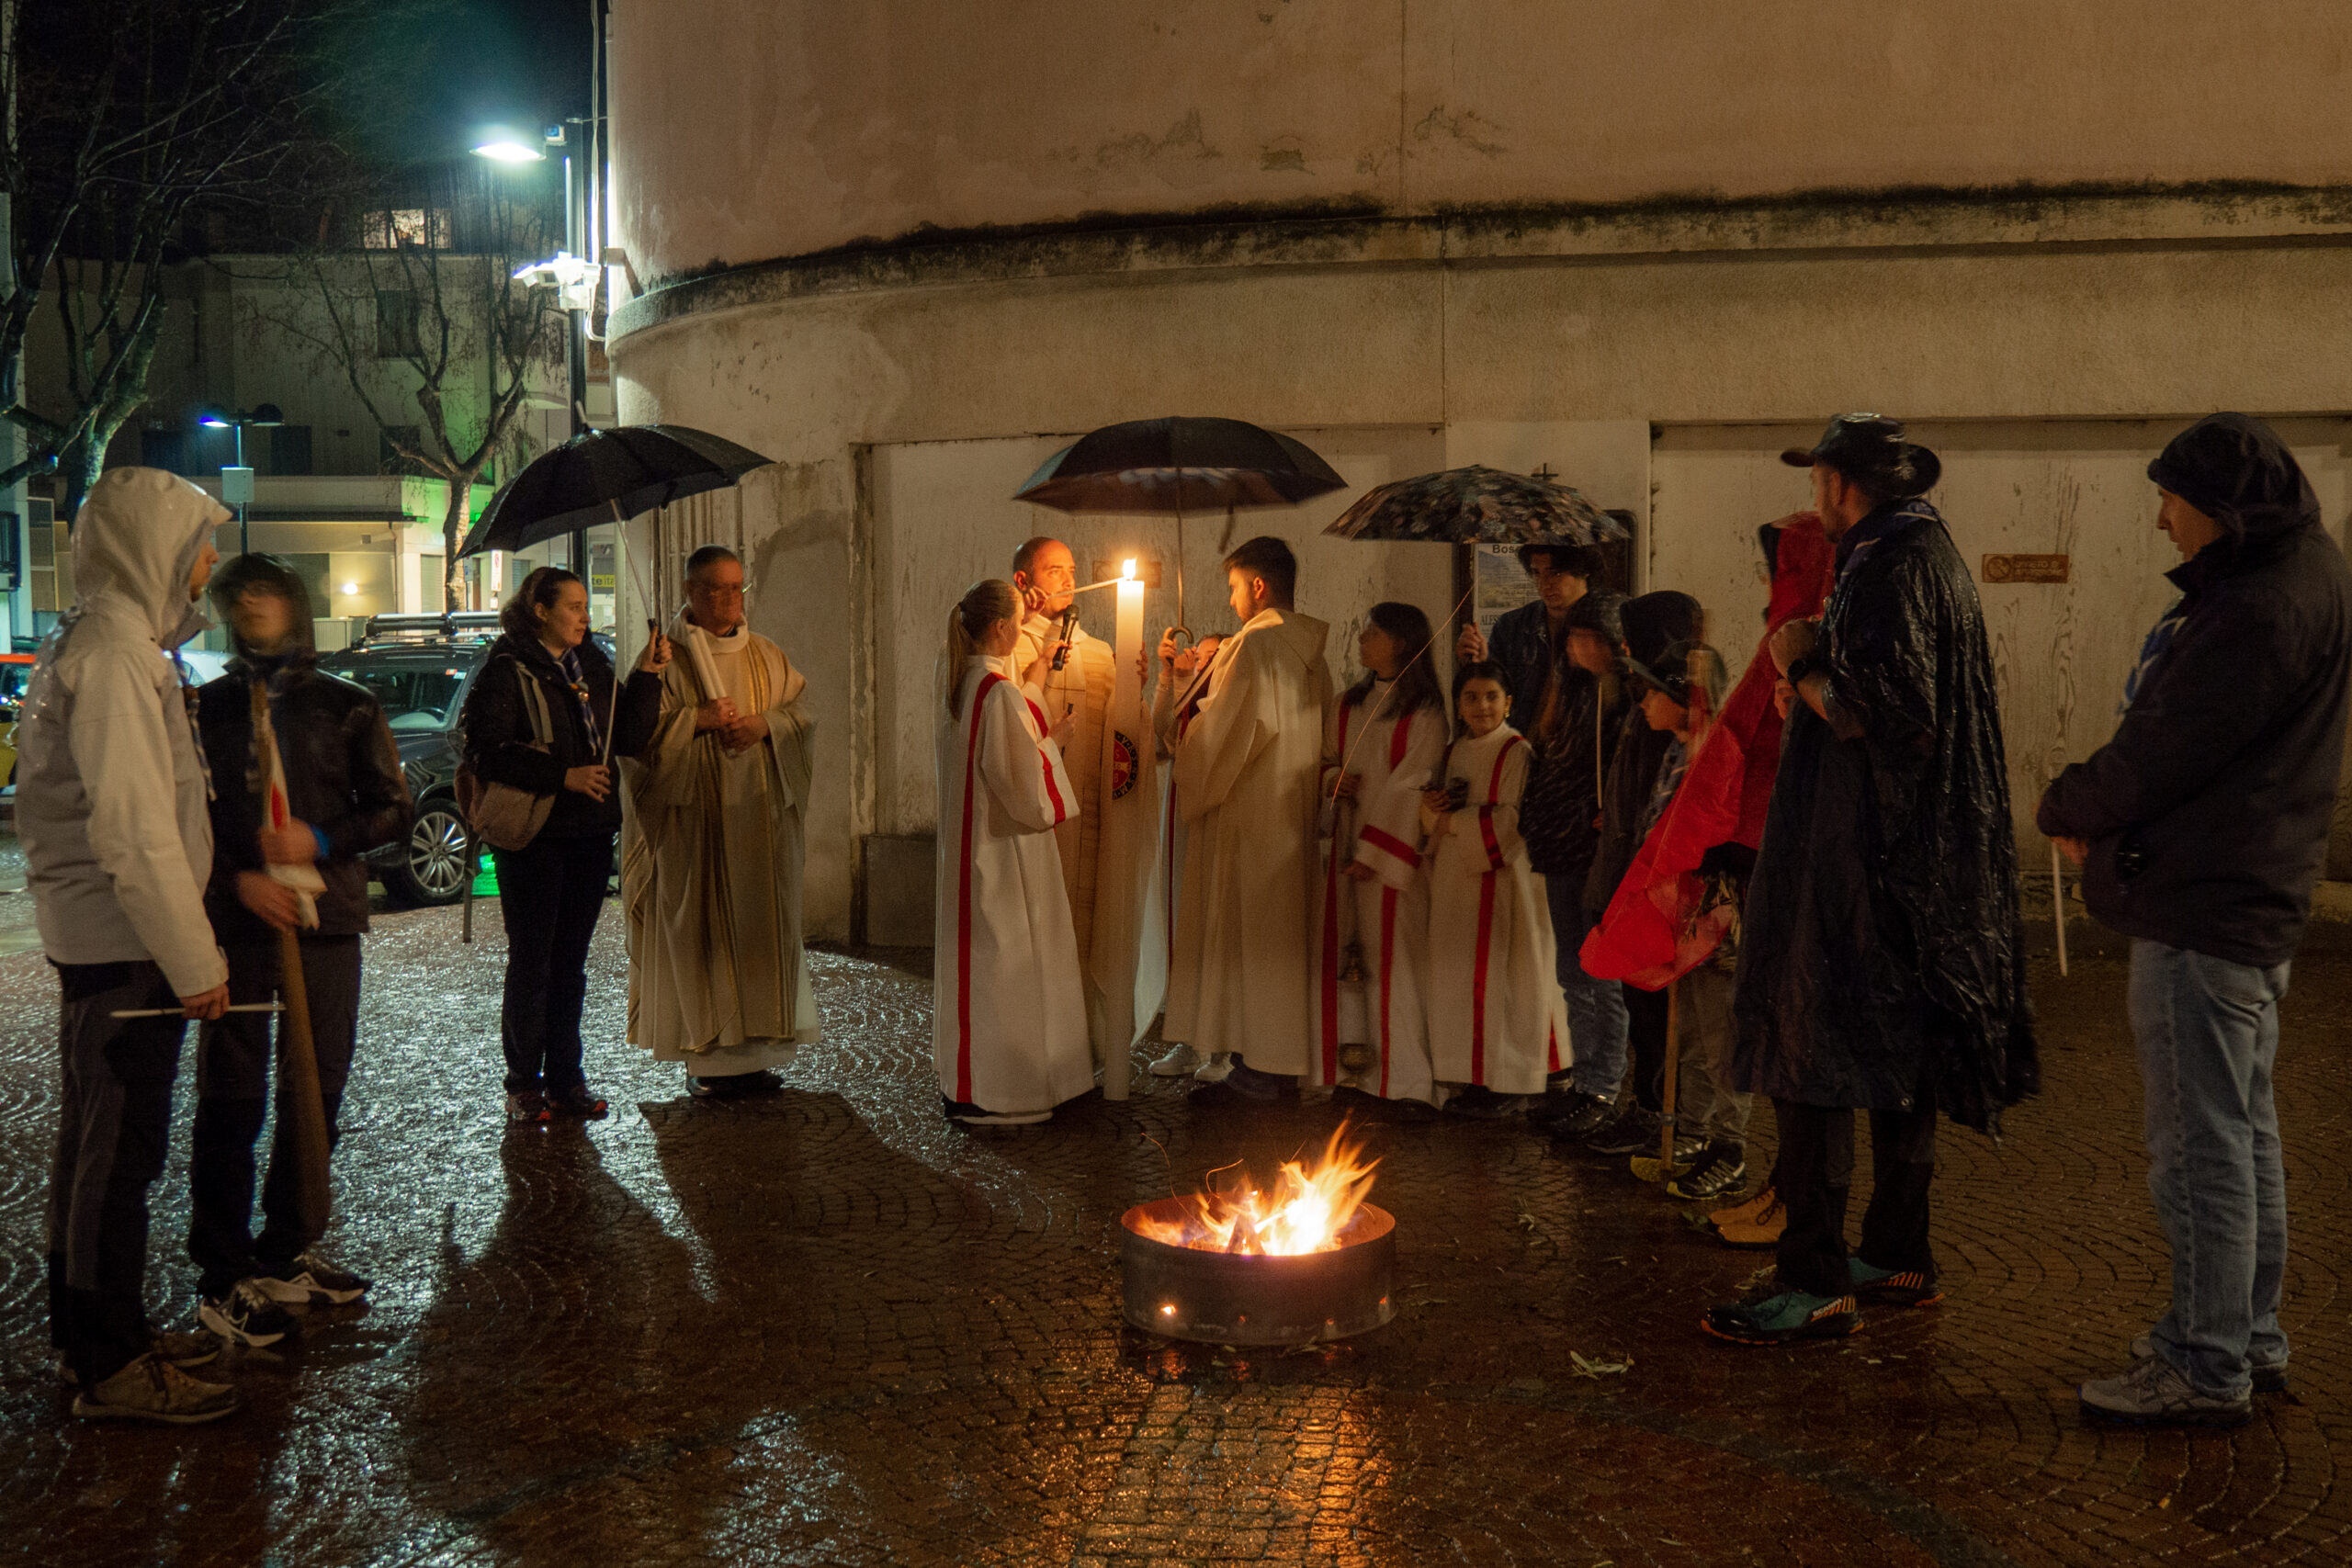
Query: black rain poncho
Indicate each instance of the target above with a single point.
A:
(1882, 960)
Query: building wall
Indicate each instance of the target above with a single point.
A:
(1634, 286)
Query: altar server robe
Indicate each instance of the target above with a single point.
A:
(1008, 1016)
(1247, 767)
(1371, 937)
(1497, 1017)
(713, 850)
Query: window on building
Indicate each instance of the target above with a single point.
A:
(289, 449)
(396, 325)
(389, 440)
(390, 229)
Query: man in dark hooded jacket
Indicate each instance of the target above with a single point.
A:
(347, 792)
(2202, 825)
(1882, 965)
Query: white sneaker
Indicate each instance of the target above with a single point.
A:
(245, 1316)
(311, 1279)
(1180, 1062)
(152, 1389)
(1216, 1069)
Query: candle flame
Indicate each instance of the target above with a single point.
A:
(1127, 570)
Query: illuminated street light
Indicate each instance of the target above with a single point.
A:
(501, 144)
(264, 416)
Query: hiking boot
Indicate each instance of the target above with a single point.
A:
(244, 1315)
(1721, 1168)
(1893, 1287)
(310, 1278)
(2154, 1393)
(1215, 1069)
(1773, 1314)
(2269, 1377)
(182, 1350)
(529, 1109)
(1763, 1197)
(576, 1100)
(1479, 1103)
(150, 1389)
(971, 1115)
(1180, 1062)
(1634, 1132)
(1760, 1232)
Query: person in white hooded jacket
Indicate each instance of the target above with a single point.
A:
(111, 797)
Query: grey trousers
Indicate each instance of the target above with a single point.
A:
(113, 1128)
(1706, 1106)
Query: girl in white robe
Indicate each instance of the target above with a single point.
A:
(1385, 739)
(1497, 1021)
(1008, 1011)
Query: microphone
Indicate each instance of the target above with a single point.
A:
(1069, 620)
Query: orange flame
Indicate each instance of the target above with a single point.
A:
(1304, 1209)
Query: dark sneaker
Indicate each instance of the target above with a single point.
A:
(1721, 1168)
(1634, 1132)
(2154, 1393)
(244, 1315)
(576, 1101)
(527, 1109)
(2269, 1377)
(1244, 1088)
(971, 1115)
(1893, 1287)
(152, 1389)
(735, 1085)
(311, 1279)
(1773, 1314)
(1480, 1103)
(1584, 1117)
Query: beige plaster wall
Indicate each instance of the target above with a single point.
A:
(748, 130)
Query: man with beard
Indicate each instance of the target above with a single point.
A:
(1882, 966)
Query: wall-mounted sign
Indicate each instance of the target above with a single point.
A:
(2027, 569)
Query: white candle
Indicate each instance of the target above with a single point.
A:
(1130, 715)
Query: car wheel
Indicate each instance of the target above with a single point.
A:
(434, 870)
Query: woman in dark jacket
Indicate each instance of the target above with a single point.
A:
(551, 891)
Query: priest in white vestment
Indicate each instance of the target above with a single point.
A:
(713, 849)
(1008, 1017)
(1248, 765)
(1045, 573)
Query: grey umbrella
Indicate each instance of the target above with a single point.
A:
(1477, 505)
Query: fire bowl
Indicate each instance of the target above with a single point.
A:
(1228, 1299)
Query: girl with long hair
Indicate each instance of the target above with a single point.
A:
(1385, 736)
(1009, 1013)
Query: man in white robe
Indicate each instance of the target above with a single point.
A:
(1249, 762)
(713, 848)
(1045, 573)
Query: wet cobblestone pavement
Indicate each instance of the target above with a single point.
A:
(827, 1328)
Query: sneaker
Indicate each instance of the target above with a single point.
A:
(2269, 1377)
(2154, 1393)
(1772, 1315)
(1215, 1069)
(1650, 1168)
(152, 1389)
(971, 1115)
(1634, 1132)
(311, 1279)
(244, 1315)
(576, 1101)
(527, 1109)
(1720, 1168)
(1572, 1118)
(1242, 1088)
(1180, 1062)
(182, 1350)
(1479, 1103)
(1893, 1287)
(1760, 1232)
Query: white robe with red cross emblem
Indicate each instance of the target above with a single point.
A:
(1370, 937)
(1008, 1016)
(1496, 1017)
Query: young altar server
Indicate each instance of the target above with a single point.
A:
(1385, 739)
(1497, 1021)
(1008, 1016)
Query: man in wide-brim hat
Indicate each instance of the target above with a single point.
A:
(1882, 966)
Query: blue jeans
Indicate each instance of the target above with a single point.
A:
(1596, 1008)
(2208, 1033)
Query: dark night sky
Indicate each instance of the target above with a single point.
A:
(425, 73)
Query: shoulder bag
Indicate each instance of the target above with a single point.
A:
(505, 817)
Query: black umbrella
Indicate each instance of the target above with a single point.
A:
(1477, 505)
(1180, 465)
(606, 476)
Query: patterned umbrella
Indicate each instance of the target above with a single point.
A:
(1477, 505)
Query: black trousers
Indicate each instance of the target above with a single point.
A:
(550, 895)
(114, 1127)
(1646, 1035)
(1816, 1174)
(233, 1063)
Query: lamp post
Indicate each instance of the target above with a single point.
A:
(265, 416)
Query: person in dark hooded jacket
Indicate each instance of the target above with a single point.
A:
(345, 790)
(2202, 825)
(1882, 965)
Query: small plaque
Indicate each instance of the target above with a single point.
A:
(2027, 569)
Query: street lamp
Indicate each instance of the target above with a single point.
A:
(265, 416)
(502, 144)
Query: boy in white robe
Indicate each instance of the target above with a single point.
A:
(1249, 764)
(1498, 1021)
(1385, 739)
(1008, 1017)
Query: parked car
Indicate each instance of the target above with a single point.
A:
(16, 669)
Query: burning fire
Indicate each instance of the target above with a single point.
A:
(1304, 1209)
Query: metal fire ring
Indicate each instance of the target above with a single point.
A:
(1223, 1299)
